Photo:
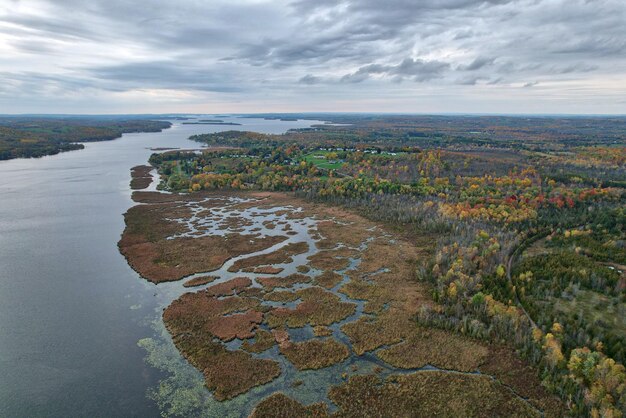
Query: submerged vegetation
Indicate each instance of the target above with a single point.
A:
(490, 247)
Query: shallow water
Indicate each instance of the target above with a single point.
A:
(185, 394)
(71, 309)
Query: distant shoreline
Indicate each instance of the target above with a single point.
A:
(211, 123)
(38, 137)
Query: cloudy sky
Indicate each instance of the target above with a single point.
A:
(432, 56)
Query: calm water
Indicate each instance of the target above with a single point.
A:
(71, 310)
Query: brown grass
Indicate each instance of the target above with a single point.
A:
(156, 197)
(303, 269)
(279, 405)
(351, 235)
(427, 394)
(195, 318)
(270, 283)
(280, 256)
(328, 279)
(281, 336)
(199, 281)
(197, 321)
(240, 325)
(237, 372)
(328, 260)
(230, 287)
(252, 292)
(422, 394)
(368, 334)
(318, 307)
(376, 296)
(505, 365)
(322, 331)
(397, 286)
(315, 354)
(263, 340)
(438, 348)
(281, 296)
(145, 245)
(140, 177)
(264, 270)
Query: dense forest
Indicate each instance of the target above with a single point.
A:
(530, 214)
(26, 137)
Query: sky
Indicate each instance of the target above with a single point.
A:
(255, 56)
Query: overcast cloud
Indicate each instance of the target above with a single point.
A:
(114, 56)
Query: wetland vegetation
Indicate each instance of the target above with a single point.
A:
(394, 266)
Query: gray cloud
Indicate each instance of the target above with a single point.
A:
(254, 50)
(470, 81)
(478, 63)
(310, 80)
(420, 70)
(165, 75)
(415, 69)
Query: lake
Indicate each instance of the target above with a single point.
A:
(71, 309)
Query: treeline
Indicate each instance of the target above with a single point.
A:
(539, 134)
(486, 205)
(481, 298)
(22, 137)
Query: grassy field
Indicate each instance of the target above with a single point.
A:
(595, 308)
(319, 158)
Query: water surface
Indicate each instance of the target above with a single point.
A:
(71, 310)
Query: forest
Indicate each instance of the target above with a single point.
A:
(27, 137)
(529, 213)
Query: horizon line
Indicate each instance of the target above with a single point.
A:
(322, 113)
